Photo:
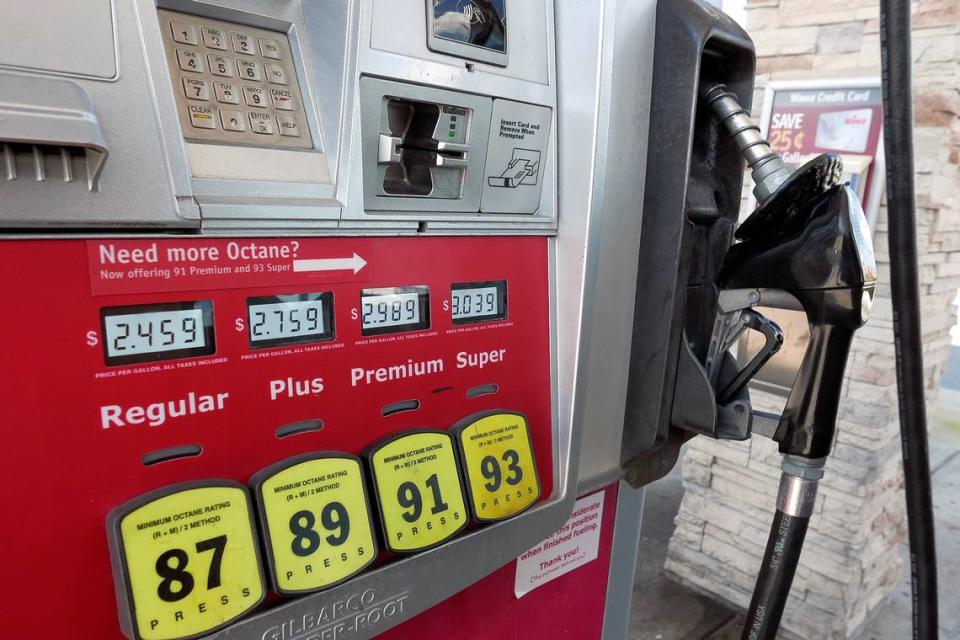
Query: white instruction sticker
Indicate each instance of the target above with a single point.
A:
(575, 544)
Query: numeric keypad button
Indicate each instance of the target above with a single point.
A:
(214, 38)
(249, 70)
(220, 65)
(226, 92)
(233, 120)
(184, 33)
(255, 96)
(196, 89)
(190, 60)
(242, 43)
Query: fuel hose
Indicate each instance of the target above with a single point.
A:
(795, 501)
(904, 288)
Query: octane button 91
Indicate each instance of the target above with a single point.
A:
(498, 460)
(316, 521)
(417, 482)
(185, 560)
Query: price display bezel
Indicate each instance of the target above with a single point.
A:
(256, 486)
(375, 488)
(123, 585)
(501, 286)
(329, 333)
(208, 349)
(423, 302)
(457, 431)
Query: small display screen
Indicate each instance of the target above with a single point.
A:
(146, 333)
(394, 309)
(478, 301)
(290, 319)
(480, 23)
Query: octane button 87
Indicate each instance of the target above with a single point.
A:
(185, 560)
(418, 488)
(501, 471)
(316, 521)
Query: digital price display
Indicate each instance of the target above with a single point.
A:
(316, 521)
(147, 333)
(290, 319)
(394, 309)
(478, 301)
(186, 560)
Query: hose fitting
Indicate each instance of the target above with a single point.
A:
(767, 167)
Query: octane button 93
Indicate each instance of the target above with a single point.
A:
(418, 489)
(499, 464)
(186, 560)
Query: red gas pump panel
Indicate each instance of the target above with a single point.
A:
(134, 364)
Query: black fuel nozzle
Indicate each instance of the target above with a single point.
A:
(828, 266)
(809, 238)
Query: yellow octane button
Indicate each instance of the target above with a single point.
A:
(185, 559)
(501, 472)
(418, 488)
(316, 520)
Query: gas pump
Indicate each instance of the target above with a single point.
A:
(298, 297)
(323, 317)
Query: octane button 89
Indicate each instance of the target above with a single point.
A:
(418, 488)
(316, 521)
(185, 560)
(499, 464)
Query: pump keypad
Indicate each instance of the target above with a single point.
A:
(213, 63)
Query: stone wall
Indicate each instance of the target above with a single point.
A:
(851, 561)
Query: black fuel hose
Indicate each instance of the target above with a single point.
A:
(795, 500)
(904, 287)
(780, 562)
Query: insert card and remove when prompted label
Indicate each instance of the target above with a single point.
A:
(498, 461)
(418, 488)
(185, 559)
(316, 521)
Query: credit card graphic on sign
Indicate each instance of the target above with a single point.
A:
(845, 130)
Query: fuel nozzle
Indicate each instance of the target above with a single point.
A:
(808, 238)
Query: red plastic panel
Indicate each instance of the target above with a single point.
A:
(64, 471)
(571, 606)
